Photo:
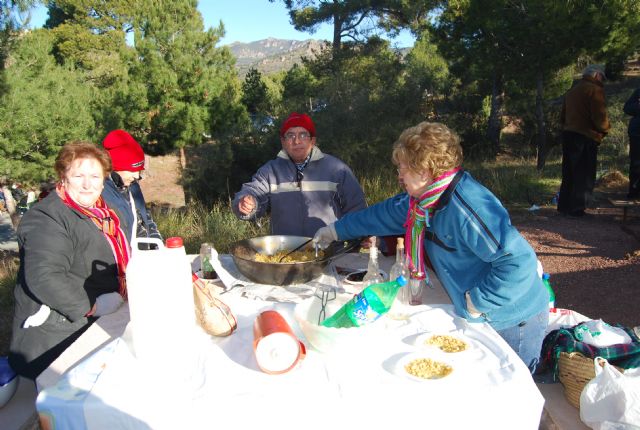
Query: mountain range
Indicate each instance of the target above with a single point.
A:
(272, 55)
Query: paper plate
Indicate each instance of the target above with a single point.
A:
(450, 343)
(355, 277)
(435, 367)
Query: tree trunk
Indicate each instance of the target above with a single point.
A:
(183, 158)
(494, 126)
(11, 205)
(9, 200)
(337, 32)
(541, 141)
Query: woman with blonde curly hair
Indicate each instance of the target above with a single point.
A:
(485, 265)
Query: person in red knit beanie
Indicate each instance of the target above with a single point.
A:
(122, 190)
(303, 188)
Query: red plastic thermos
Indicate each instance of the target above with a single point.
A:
(276, 347)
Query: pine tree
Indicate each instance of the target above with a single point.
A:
(46, 106)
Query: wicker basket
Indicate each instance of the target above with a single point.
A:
(575, 371)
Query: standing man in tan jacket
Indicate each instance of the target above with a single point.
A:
(584, 125)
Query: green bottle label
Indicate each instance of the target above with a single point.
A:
(206, 266)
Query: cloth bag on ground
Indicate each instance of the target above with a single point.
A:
(212, 314)
(611, 400)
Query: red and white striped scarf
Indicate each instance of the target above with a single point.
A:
(420, 209)
(108, 223)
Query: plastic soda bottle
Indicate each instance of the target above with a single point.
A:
(366, 306)
(547, 284)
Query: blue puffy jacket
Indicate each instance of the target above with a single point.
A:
(116, 195)
(472, 246)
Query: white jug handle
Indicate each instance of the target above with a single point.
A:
(148, 240)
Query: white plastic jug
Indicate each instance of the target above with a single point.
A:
(161, 303)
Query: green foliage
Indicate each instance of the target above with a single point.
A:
(167, 85)
(97, 54)
(227, 115)
(299, 89)
(10, 26)
(182, 69)
(346, 17)
(365, 102)
(47, 106)
(201, 223)
(206, 177)
(254, 93)
(623, 37)
(517, 182)
(427, 69)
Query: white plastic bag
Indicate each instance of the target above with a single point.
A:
(600, 334)
(611, 400)
(562, 318)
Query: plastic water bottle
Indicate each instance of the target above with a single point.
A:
(161, 306)
(547, 284)
(367, 306)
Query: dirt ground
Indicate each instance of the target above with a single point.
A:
(594, 261)
(161, 181)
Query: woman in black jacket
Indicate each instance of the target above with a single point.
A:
(73, 256)
(632, 107)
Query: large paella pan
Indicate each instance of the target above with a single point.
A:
(244, 253)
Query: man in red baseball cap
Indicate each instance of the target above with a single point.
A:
(122, 191)
(302, 188)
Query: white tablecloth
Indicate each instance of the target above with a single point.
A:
(351, 387)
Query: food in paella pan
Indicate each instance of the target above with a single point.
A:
(447, 343)
(427, 368)
(295, 257)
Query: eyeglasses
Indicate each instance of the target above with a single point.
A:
(402, 170)
(302, 137)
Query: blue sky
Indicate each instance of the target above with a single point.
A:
(247, 21)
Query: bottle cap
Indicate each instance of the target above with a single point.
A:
(174, 242)
(546, 276)
(401, 280)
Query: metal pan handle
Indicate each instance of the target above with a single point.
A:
(342, 248)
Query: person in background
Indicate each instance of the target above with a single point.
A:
(632, 107)
(584, 124)
(485, 265)
(303, 188)
(73, 257)
(45, 189)
(121, 188)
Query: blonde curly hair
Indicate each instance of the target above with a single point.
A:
(428, 146)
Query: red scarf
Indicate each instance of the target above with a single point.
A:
(108, 223)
